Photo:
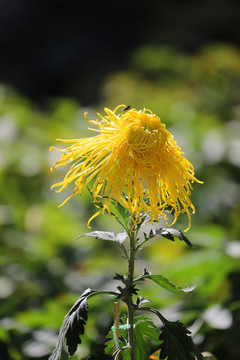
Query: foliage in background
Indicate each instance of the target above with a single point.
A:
(44, 270)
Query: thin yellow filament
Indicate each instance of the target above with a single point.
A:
(133, 161)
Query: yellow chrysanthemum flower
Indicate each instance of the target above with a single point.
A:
(134, 161)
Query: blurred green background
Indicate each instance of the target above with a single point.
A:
(196, 92)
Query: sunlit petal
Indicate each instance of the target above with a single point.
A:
(135, 161)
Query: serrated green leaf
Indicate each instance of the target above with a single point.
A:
(143, 331)
(123, 334)
(148, 327)
(164, 282)
(167, 284)
(109, 347)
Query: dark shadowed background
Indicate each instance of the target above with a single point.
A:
(67, 47)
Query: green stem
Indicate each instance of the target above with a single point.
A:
(131, 261)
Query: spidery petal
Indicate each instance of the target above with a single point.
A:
(135, 161)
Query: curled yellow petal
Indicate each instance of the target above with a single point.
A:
(135, 161)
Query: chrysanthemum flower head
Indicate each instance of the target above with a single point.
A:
(134, 161)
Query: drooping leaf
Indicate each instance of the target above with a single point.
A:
(72, 326)
(163, 282)
(177, 343)
(77, 321)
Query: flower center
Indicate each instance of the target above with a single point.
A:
(144, 132)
